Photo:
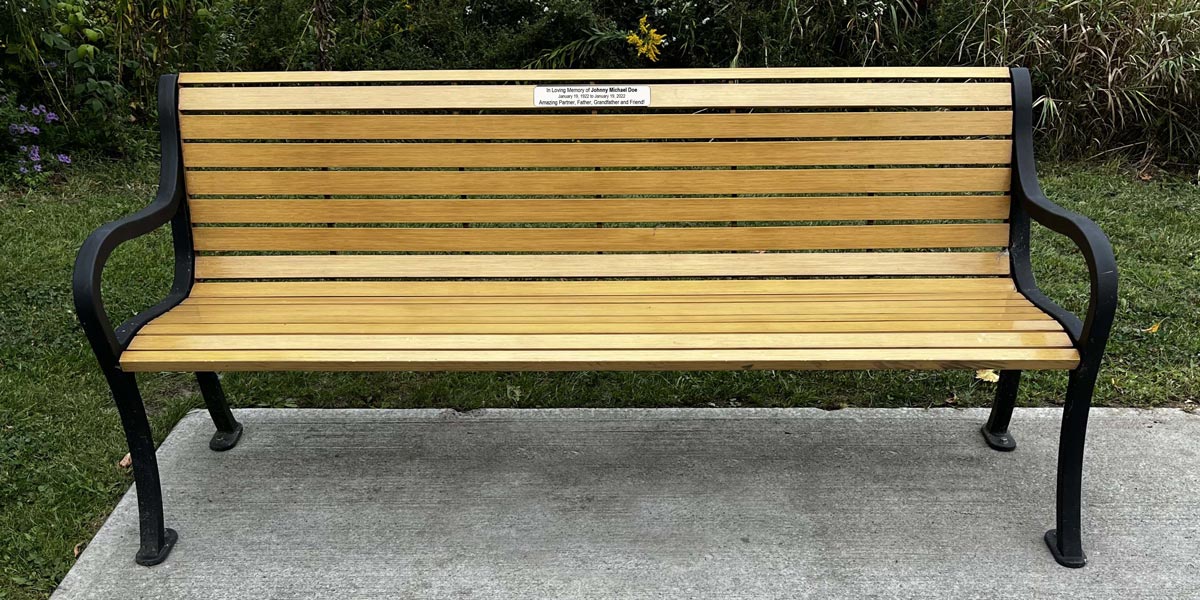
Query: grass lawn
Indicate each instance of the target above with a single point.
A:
(60, 438)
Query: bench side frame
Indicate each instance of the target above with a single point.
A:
(1089, 334)
(169, 205)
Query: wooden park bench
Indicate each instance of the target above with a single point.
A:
(708, 219)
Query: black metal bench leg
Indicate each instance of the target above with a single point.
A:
(1065, 540)
(156, 539)
(995, 432)
(229, 431)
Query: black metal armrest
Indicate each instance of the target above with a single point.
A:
(1089, 334)
(1092, 331)
(168, 206)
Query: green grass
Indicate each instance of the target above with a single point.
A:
(60, 438)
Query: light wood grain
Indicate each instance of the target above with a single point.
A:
(447, 308)
(695, 326)
(608, 210)
(978, 296)
(466, 290)
(620, 154)
(597, 127)
(700, 181)
(590, 75)
(614, 265)
(600, 341)
(579, 239)
(587, 360)
(714, 95)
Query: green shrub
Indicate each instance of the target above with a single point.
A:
(1112, 77)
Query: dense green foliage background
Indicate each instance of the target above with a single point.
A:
(1114, 77)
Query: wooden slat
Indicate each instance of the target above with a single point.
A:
(621, 154)
(590, 75)
(625, 360)
(609, 210)
(979, 296)
(600, 341)
(703, 181)
(658, 305)
(598, 127)
(999, 286)
(581, 313)
(588, 321)
(899, 326)
(713, 95)
(511, 239)
(614, 265)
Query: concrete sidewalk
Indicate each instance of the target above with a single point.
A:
(659, 503)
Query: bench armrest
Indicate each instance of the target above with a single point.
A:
(1090, 334)
(168, 207)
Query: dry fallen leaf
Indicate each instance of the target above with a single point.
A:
(1153, 328)
(126, 461)
(987, 375)
(79, 548)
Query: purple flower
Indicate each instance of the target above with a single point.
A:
(51, 117)
(22, 108)
(64, 159)
(16, 129)
(23, 170)
(24, 148)
(37, 168)
(35, 154)
(37, 111)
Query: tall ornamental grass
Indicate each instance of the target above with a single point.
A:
(1112, 76)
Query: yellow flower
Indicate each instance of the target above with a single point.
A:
(646, 39)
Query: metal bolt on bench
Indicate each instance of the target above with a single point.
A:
(620, 220)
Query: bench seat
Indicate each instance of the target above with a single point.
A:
(581, 325)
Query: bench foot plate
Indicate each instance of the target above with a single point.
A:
(224, 440)
(1004, 442)
(1073, 562)
(149, 558)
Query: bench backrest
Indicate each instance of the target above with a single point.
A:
(727, 172)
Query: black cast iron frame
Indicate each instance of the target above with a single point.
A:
(107, 343)
(1089, 335)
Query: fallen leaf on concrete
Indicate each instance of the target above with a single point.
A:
(987, 375)
(126, 461)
